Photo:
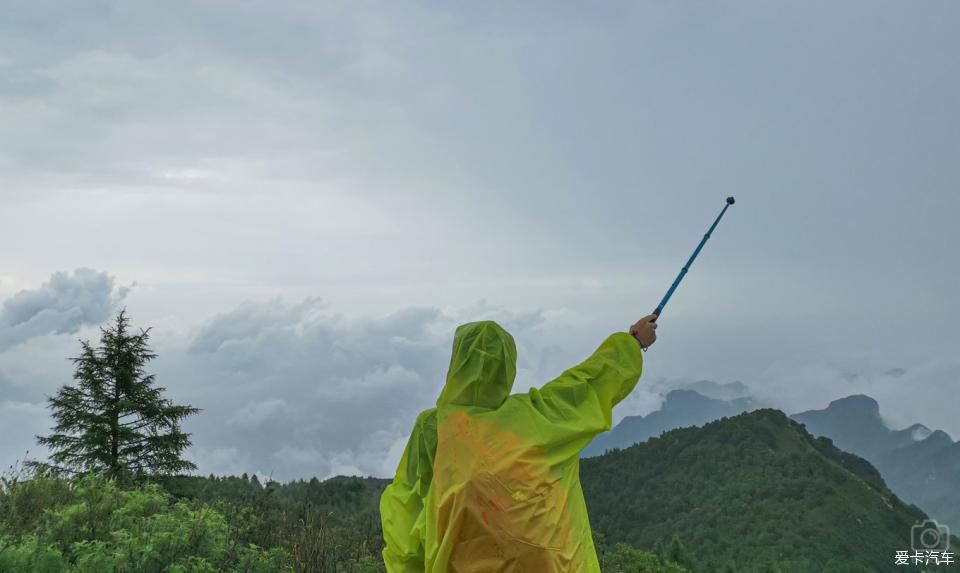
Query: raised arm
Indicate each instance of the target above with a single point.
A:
(581, 400)
(401, 505)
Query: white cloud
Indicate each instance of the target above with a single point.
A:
(309, 392)
(62, 305)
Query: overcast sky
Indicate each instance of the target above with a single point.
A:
(303, 199)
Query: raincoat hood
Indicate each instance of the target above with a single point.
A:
(483, 366)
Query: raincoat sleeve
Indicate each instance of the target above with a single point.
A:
(401, 505)
(581, 400)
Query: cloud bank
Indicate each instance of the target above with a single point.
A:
(294, 390)
(62, 305)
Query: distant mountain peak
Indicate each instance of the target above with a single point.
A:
(920, 465)
(681, 408)
(858, 403)
(684, 395)
(919, 432)
(720, 391)
(939, 437)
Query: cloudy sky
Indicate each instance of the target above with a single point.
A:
(303, 199)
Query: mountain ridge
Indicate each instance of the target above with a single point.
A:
(680, 408)
(756, 490)
(919, 464)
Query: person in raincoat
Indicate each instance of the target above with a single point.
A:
(489, 481)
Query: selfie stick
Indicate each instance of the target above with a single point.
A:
(686, 267)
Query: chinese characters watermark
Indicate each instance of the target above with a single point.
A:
(924, 557)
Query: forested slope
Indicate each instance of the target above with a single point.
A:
(753, 490)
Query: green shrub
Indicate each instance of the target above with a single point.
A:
(623, 558)
(89, 525)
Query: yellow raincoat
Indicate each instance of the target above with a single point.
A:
(490, 481)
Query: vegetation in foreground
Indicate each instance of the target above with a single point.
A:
(89, 524)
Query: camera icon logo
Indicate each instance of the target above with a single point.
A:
(929, 534)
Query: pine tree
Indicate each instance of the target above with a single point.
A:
(677, 553)
(114, 419)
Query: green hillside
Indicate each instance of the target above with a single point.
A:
(754, 490)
